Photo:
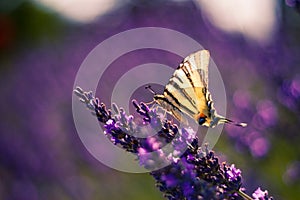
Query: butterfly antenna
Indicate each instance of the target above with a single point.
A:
(148, 87)
(228, 121)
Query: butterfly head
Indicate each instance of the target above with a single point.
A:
(212, 119)
(203, 120)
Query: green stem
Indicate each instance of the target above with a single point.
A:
(244, 195)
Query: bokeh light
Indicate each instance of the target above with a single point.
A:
(83, 11)
(256, 20)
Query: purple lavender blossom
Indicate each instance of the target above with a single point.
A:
(194, 174)
(233, 173)
(261, 195)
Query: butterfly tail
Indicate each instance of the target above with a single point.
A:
(229, 121)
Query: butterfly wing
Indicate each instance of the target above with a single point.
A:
(197, 65)
(186, 92)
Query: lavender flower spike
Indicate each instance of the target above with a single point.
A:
(192, 173)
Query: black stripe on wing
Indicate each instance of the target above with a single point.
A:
(180, 106)
(198, 62)
(185, 67)
(209, 102)
(182, 91)
(166, 100)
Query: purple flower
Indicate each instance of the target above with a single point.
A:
(233, 173)
(261, 195)
(186, 170)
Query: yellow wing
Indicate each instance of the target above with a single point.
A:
(186, 91)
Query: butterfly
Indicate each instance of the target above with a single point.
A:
(187, 94)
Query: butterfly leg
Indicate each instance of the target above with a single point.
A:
(150, 103)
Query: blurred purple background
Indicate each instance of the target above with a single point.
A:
(43, 44)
